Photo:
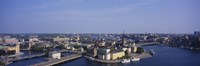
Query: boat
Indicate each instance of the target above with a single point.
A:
(90, 58)
(125, 60)
(135, 59)
(152, 52)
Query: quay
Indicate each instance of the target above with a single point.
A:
(57, 61)
(142, 55)
(103, 61)
(133, 55)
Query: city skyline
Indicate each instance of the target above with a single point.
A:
(99, 16)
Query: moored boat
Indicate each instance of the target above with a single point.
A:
(125, 60)
(152, 52)
(135, 59)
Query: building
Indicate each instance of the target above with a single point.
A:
(116, 54)
(196, 33)
(134, 48)
(59, 39)
(12, 49)
(127, 49)
(123, 39)
(103, 53)
(54, 55)
(1, 40)
(92, 52)
(10, 40)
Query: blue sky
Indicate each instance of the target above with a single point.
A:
(99, 16)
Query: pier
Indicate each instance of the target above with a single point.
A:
(57, 61)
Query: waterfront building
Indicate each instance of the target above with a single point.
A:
(134, 48)
(54, 55)
(103, 53)
(92, 52)
(116, 54)
(11, 48)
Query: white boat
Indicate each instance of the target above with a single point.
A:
(135, 59)
(90, 58)
(152, 52)
(125, 60)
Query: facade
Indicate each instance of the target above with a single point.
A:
(55, 55)
(10, 40)
(15, 48)
(103, 53)
(128, 49)
(134, 49)
(117, 54)
(59, 39)
(105, 56)
(92, 52)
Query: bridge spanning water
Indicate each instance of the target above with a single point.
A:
(30, 56)
(148, 43)
(57, 61)
(27, 57)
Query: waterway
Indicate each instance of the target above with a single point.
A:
(164, 56)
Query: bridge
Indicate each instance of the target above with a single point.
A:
(57, 61)
(27, 57)
(31, 56)
(148, 43)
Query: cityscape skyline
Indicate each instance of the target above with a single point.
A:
(105, 16)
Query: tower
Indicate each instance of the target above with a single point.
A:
(123, 40)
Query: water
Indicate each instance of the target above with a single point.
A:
(164, 56)
(32, 61)
(28, 61)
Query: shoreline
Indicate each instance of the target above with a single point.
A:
(133, 55)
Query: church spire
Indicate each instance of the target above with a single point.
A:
(123, 41)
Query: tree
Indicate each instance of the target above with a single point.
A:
(140, 50)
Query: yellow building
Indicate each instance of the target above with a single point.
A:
(116, 54)
(14, 48)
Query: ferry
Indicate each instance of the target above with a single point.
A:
(135, 59)
(125, 60)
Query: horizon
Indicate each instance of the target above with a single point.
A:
(100, 16)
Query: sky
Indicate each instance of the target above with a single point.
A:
(99, 16)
